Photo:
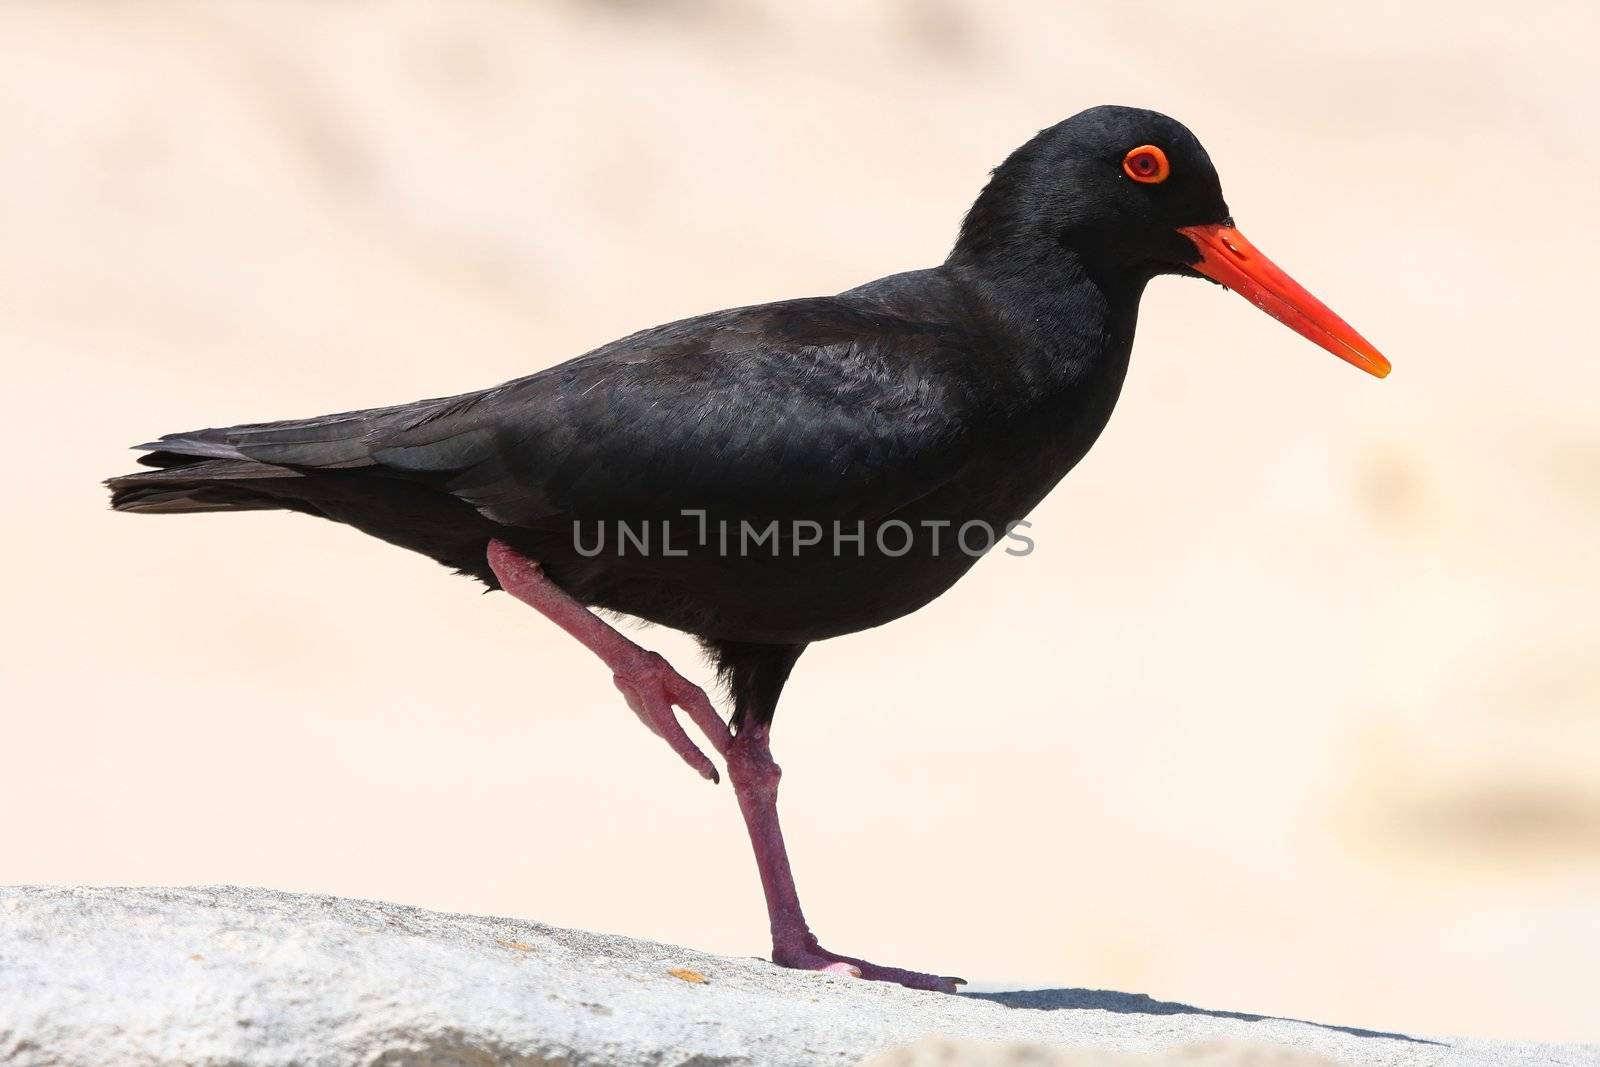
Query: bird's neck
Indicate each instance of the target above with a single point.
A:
(1064, 341)
(1067, 325)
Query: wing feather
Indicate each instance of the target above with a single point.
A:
(804, 407)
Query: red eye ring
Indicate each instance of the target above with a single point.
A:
(1147, 164)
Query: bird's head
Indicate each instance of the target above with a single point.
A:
(1131, 194)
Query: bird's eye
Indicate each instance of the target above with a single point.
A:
(1147, 164)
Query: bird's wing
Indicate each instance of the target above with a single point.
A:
(809, 407)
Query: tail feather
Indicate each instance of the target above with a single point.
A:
(397, 510)
(329, 442)
(323, 466)
(184, 485)
(198, 444)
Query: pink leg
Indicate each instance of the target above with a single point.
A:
(648, 682)
(755, 783)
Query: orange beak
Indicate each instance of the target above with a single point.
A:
(1226, 257)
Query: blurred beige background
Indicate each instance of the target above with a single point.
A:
(1295, 710)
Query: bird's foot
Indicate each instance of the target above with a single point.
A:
(653, 688)
(817, 958)
(648, 682)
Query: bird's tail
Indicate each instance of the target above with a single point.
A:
(208, 470)
(189, 484)
(315, 467)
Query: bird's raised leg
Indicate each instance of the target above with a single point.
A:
(757, 680)
(647, 681)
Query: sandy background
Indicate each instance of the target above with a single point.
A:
(1295, 710)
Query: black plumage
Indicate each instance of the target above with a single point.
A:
(962, 392)
(955, 394)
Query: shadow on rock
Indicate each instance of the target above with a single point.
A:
(1141, 1004)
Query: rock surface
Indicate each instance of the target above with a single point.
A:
(214, 976)
(1214, 1052)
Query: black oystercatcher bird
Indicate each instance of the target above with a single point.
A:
(770, 476)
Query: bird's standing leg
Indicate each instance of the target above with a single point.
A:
(756, 682)
(647, 681)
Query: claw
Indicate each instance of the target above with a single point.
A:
(653, 689)
(647, 682)
(816, 958)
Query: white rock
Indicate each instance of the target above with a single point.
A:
(251, 977)
(1214, 1052)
